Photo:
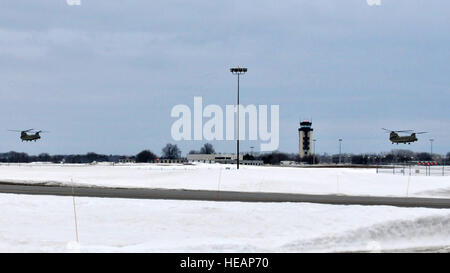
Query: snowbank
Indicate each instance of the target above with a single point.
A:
(46, 224)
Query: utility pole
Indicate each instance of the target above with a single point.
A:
(238, 71)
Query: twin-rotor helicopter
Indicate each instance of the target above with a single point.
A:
(394, 137)
(29, 135)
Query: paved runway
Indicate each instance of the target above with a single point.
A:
(207, 195)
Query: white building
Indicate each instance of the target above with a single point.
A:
(212, 158)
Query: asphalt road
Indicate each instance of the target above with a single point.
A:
(207, 195)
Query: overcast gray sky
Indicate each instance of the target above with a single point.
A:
(103, 76)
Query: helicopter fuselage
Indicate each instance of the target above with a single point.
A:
(26, 137)
(395, 138)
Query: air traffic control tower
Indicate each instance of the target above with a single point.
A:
(305, 138)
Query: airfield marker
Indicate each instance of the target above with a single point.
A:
(407, 187)
(261, 183)
(337, 184)
(218, 184)
(75, 213)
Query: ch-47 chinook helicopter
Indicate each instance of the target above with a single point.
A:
(24, 136)
(395, 138)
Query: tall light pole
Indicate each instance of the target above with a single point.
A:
(238, 71)
(314, 150)
(340, 142)
(431, 148)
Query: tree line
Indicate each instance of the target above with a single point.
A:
(394, 156)
(16, 157)
(171, 151)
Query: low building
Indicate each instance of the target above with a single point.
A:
(288, 163)
(127, 160)
(223, 159)
(170, 161)
(213, 158)
(252, 162)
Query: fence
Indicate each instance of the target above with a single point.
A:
(416, 170)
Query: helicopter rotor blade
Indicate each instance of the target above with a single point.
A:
(397, 131)
(21, 130)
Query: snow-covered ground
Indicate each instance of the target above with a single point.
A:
(31, 223)
(226, 177)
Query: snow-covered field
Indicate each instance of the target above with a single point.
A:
(46, 224)
(226, 177)
(31, 223)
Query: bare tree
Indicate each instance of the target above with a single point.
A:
(207, 149)
(171, 151)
